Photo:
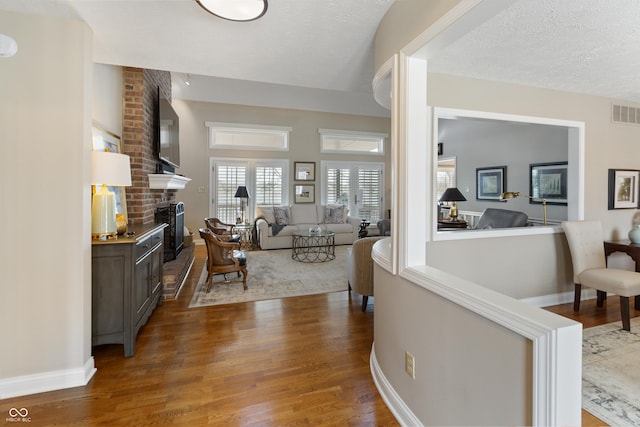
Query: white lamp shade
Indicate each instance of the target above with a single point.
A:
(110, 169)
(235, 10)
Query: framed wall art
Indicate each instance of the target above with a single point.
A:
(548, 181)
(305, 193)
(623, 189)
(491, 182)
(304, 171)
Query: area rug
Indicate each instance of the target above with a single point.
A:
(273, 274)
(611, 373)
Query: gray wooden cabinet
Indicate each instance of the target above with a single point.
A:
(126, 285)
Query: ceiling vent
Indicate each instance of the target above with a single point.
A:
(625, 114)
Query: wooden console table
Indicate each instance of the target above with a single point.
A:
(444, 224)
(126, 284)
(625, 246)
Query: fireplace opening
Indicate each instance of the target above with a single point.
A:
(174, 233)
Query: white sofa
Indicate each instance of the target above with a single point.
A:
(275, 225)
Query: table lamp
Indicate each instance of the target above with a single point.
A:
(514, 194)
(107, 169)
(242, 193)
(453, 195)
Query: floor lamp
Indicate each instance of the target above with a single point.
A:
(107, 169)
(514, 194)
(242, 193)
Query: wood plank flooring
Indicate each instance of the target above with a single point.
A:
(296, 361)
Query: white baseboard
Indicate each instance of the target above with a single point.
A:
(396, 405)
(555, 299)
(47, 381)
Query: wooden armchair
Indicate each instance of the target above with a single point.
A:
(223, 230)
(223, 257)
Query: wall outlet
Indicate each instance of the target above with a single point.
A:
(410, 364)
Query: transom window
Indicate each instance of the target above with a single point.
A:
(346, 141)
(248, 137)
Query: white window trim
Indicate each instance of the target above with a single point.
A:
(282, 131)
(377, 137)
(250, 178)
(576, 147)
(325, 164)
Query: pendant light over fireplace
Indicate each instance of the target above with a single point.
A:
(235, 10)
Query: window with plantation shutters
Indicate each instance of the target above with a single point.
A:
(266, 182)
(360, 186)
(228, 178)
(445, 176)
(337, 185)
(370, 192)
(269, 185)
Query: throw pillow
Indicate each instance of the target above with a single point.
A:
(281, 215)
(335, 215)
(267, 213)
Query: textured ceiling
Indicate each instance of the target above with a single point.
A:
(584, 46)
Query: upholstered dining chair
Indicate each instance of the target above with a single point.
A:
(586, 245)
(223, 257)
(360, 267)
(223, 230)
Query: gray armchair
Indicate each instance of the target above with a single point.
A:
(360, 267)
(501, 218)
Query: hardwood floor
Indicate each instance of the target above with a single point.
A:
(590, 315)
(296, 361)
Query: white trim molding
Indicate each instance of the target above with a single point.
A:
(47, 381)
(394, 402)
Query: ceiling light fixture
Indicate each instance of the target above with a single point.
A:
(235, 10)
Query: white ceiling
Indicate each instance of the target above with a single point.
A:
(318, 54)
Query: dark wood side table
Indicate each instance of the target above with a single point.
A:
(628, 248)
(444, 224)
(625, 246)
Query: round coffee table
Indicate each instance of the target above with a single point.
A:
(313, 247)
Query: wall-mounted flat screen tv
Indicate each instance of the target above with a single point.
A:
(169, 132)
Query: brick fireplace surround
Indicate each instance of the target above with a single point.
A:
(138, 135)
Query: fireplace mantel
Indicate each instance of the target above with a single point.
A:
(160, 181)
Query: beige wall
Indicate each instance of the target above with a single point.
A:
(469, 370)
(304, 145)
(107, 97)
(45, 119)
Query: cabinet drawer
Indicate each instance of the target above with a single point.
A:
(144, 246)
